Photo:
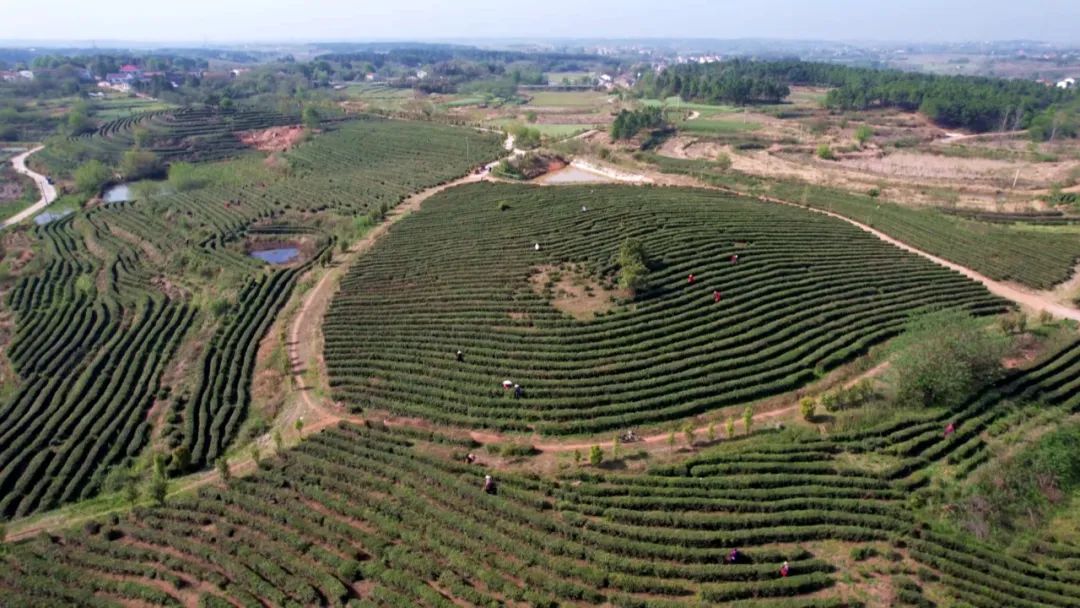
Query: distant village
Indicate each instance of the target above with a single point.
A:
(127, 79)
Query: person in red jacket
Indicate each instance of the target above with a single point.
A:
(690, 279)
(950, 429)
(784, 569)
(716, 297)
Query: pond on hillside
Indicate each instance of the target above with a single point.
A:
(572, 175)
(117, 194)
(49, 216)
(280, 255)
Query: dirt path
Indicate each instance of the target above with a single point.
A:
(1031, 300)
(48, 192)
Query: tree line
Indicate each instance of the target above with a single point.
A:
(628, 123)
(738, 81)
(980, 104)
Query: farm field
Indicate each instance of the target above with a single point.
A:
(1009, 251)
(809, 293)
(293, 342)
(391, 516)
(117, 290)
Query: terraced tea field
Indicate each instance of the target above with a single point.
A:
(808, 293)
(373, 516)
(109, 302)
(999, 250)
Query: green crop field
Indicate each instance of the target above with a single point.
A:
(708, 126)
(370, 516)
(578, 100)
(809, 293)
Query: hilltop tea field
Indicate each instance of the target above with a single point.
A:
(807, 293)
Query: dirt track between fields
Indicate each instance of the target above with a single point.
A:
(47, 190)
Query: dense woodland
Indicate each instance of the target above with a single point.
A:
(975, 103)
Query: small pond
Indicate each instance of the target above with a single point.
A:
(282, 255)
(572, 175)
(117, 194)
(49, 216)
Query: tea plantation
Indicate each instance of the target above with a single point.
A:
(114, 292)
(808, 293)
(376, 516)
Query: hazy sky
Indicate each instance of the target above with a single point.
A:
(250, 20)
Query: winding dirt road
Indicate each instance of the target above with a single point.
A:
(48, 191)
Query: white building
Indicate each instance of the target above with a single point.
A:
(1068, 83)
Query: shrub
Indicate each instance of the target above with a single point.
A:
(723, 161)
(633, 265)
(863, 134)
(824, 152)
(945, 357)
(91, 176)
(807, 405)
(863, 553)
(512, 450)
(596, 455)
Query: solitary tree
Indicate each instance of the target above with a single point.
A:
(671, 440)
(807, 405)
(748, 418)
(633, 265)
(222, 465)
(159, 487)
(278, 442)
(729, 427)
(688, 431)
(616, 448)
(711, 433)
(139, 164)
(311, 117)
(91, 176)
(181, 460)
(944, 358)
(577, 457)
(131, 488)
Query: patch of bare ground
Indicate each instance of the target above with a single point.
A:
(175, 373)
(17, 249)
(572, 291)
(274, 139)
(1027, 349)
(147, 247)
(270, 383)
(867, 582)
(170, 289)
(1067, 292)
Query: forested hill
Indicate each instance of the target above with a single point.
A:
(976, 103)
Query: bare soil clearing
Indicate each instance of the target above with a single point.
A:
(573, 292)
(274, 139)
